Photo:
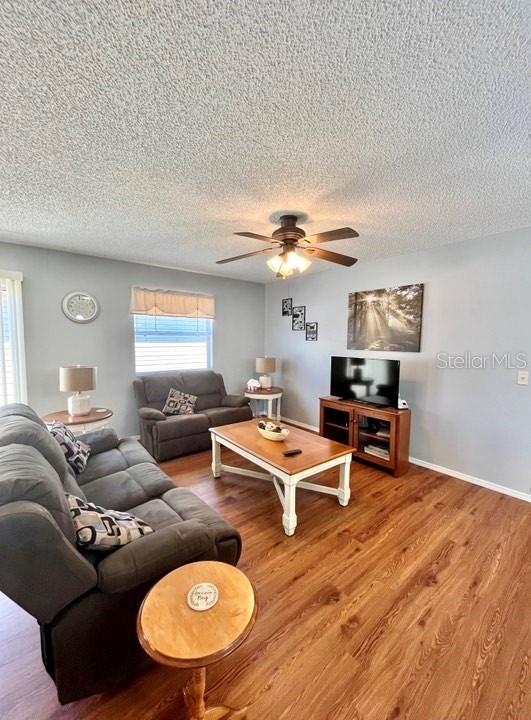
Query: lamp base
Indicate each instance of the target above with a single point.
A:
(78, 405)
(265, 382)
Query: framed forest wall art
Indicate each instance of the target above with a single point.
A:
(386, 319)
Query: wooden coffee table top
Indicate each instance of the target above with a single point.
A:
(315, 449)
(174, 634)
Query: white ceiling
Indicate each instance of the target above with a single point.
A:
(153, 130)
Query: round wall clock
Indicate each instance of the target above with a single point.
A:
(80, 306)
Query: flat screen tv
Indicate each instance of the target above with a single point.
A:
(365, 380)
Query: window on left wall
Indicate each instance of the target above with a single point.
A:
(12, 358)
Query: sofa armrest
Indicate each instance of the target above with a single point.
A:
(101, 440)
(155, 555)
(146, 413)
(235, 401)
(40, 570)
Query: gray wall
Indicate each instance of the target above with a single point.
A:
(478, 299)
(53, 340)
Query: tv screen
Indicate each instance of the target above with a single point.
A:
(365, 380)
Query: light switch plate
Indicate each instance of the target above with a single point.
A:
(523, 377)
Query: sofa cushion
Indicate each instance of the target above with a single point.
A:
(189, 507)
(158, 385)
(26, 475)
(129, 452)
(75, 451)
(157, 513)
(154, 555)
(226, 415)
(25, 431)
(100, 440)
(206, 384)
(99, 529)
(22, 411)
(176, 426)
(179, 403)
(178, 505)
(127, 488)
(70, 486)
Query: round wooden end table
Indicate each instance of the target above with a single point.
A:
(79, 424)
(267, 394)
(173, 633)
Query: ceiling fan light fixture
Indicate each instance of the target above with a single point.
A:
(275, 263)
(286, 263)
(297, 262)
(287, 239)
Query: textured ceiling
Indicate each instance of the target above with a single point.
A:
(152, 130)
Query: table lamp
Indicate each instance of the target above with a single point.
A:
(77, 379)
(265, 365)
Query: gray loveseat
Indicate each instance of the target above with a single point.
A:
(167, 437)
(86, 602)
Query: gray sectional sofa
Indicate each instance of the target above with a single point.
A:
(86, 602)
(167, 437)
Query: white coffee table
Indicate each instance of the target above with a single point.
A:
(270, 394)
(286, 473)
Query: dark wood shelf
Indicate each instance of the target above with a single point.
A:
(386, 462)
(375, 436)
(337, 426)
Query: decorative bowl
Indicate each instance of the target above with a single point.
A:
(274, 435)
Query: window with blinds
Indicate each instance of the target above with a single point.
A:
(12, 365)
(172, 343)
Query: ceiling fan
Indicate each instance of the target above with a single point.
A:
(295, 247)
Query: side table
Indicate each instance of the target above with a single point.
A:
(79, 424)
(174, 634)
(269, 394)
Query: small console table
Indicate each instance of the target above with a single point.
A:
(379, 435)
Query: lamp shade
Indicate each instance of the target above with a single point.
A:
(265, 365)
(76, 378)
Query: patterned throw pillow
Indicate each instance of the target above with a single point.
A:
(179, 403)
(100, 529)
(75, 451)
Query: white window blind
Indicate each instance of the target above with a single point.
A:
(172, 343)
(12, 361)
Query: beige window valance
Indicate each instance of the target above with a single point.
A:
(171, 303)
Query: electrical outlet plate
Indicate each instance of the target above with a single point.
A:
(523, 377)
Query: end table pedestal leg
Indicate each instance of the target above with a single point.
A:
(194, 700)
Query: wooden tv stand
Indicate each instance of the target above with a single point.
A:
(380, 435)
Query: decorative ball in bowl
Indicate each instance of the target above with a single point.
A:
(272, 431)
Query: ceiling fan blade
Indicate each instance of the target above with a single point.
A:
(330, 256)
(256, 237)
(245, 255)
(339, 234)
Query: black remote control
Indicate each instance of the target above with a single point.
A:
(293, 451)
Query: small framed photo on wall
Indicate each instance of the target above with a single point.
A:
(298, 317)
(287, 306)
(311, 331)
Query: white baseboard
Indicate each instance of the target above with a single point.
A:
(304, 426)
(519, 494)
